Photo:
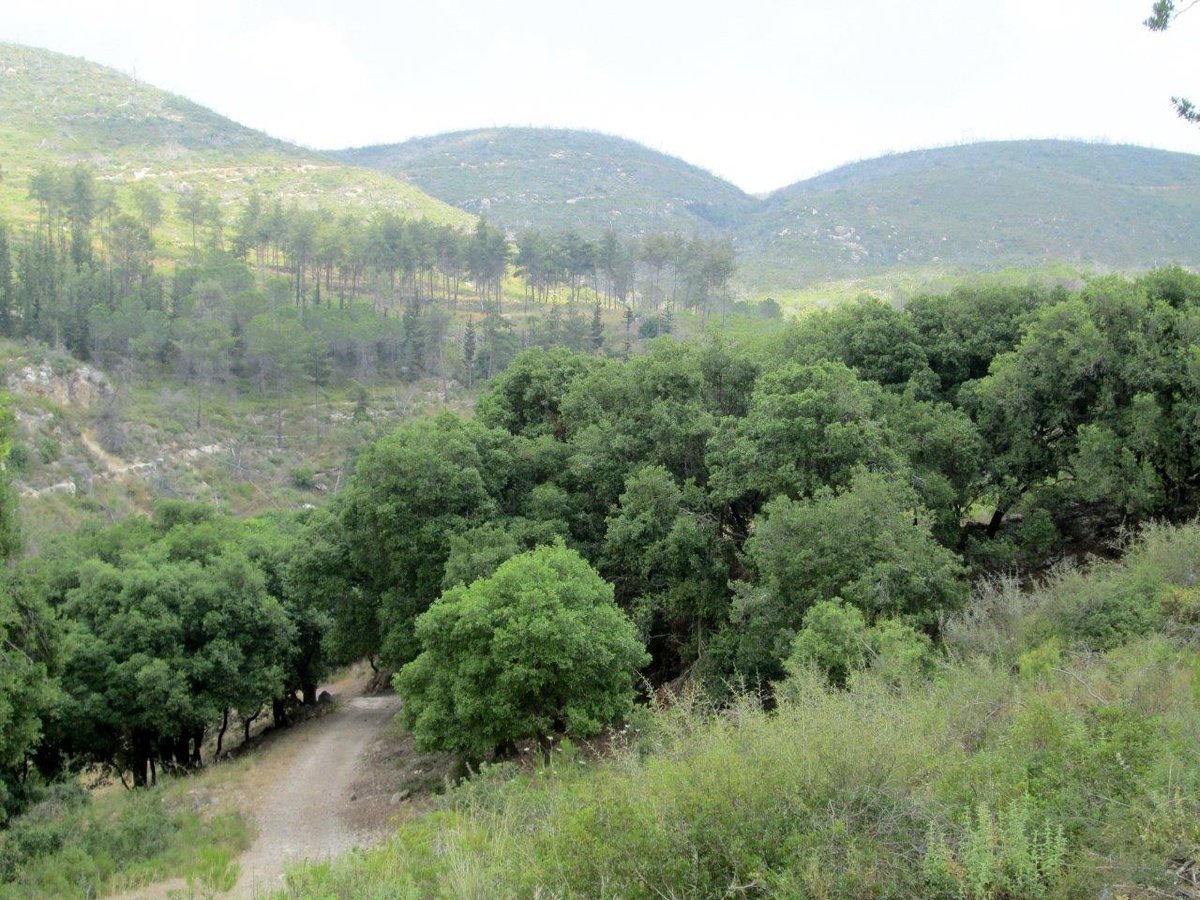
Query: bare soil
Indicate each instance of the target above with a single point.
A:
(324, 786)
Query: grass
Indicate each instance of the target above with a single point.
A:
(72, 845)
(558, 179)
(979, 206)
(60, 110)
(900, 285)
(1033, 764)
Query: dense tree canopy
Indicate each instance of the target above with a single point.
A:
(818, 498)
(168, 625)
(28, 647)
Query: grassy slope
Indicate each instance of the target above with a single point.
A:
(247, 453)
(926, 214)
(982, 206)
(59, 109)
(75, 846)
(552, 178)
(1055, 753)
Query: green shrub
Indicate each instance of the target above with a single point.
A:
(303, 478)
(18, 459)
(836, 640)
(48, 449)
(69, 846)
(1001, 854)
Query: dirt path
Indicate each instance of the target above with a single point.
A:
(114, 465)
(304, 801)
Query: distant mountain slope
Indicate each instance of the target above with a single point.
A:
(957, 209)
(980, 206)
(61, 109)
(553, 178)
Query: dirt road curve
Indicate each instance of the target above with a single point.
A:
(303, 804)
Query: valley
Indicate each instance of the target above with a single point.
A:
(525, 512)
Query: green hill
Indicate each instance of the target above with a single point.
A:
(954, 210)
(551, 178)
(980, 206)
(57, 109)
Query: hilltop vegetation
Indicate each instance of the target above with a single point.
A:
(978, 207)
(56, 110)
(954, 210)
(981, 206)
(555, 179)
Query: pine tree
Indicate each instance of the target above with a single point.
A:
(597, 329)
(469, 351)
(6, 285)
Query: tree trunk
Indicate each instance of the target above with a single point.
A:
(310, 694)
(246, 726)
(279, 712)
(996, 521)
(197, 747)
(141, 760)
(221, 733)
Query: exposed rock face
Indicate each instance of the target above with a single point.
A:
(82, 387)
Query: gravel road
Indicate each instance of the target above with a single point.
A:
(303, 804)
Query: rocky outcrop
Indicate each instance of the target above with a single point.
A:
(81, 387)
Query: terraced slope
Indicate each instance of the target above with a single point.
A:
(62, 110)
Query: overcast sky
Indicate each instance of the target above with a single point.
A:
(762, 92)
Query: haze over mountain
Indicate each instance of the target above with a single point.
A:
(980, 206)
(559, 178)
(57, 109)
(976, 206)
(970, 207)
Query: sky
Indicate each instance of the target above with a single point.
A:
(761, 92)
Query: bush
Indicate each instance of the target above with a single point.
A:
(303, 478)
(1153, 587)
(48, 449)
(70, 846)
(836, 640)
(18, 459)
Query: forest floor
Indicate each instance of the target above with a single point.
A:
(320, 788)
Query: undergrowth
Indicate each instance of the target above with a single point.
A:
(1054, 753)
(70, 845)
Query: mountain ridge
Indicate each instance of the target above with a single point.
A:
(977, 207)
(57, 109)
(967, 207)
(566, 175)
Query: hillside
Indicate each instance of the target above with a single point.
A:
(57, 109)
(980, 206)
(951, 210)
(552, 178)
